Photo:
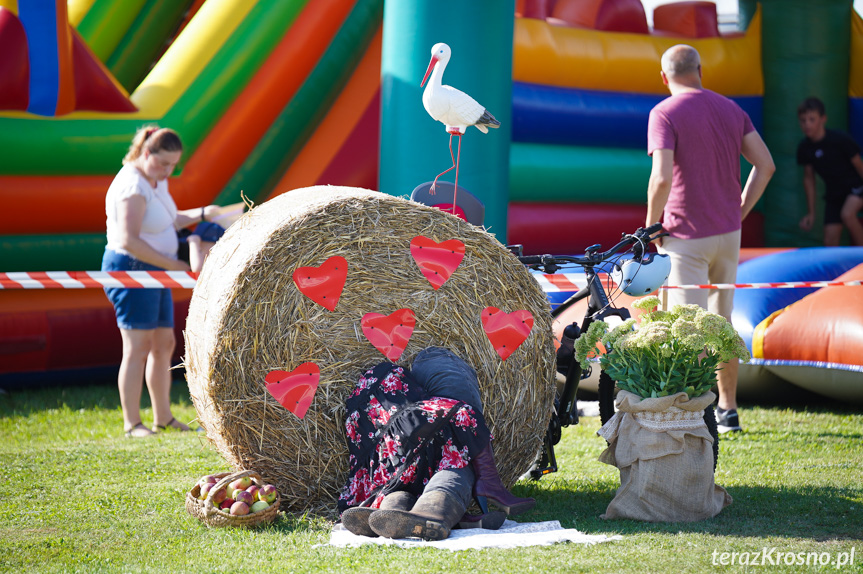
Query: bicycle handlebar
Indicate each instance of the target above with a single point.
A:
(641, 237)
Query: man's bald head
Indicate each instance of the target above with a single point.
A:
(681, 68)
(680, 61)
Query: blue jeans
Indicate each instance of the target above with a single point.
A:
(441, 373)
(137, 308)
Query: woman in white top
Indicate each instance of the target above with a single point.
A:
(142, 224)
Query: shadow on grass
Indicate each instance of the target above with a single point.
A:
(101, 395)
(817, 513)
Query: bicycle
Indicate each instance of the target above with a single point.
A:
(600, 307)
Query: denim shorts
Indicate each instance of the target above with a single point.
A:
(137, 308)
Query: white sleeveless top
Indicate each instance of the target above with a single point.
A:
(157, 229)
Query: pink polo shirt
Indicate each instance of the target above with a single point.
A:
(705, 130)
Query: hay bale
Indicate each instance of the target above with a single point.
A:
(247, 318)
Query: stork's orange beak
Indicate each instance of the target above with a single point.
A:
(434, 61)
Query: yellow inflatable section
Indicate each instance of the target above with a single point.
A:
(188, 55)
(77, 9)
(579, 58)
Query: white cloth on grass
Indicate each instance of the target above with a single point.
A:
(511, 535)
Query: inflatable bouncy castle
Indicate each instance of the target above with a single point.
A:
(274, 95)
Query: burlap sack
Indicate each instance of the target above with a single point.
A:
(665, 455)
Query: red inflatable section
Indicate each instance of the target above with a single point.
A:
(826, 326)
(687, 19)
(45, 330)
(356, 163)
(95, 87)
(539, 9)
(566, 228)
(606, 15)
(14, 63)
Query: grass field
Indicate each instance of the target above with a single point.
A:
(76, 496)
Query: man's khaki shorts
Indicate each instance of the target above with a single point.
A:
(702, 261)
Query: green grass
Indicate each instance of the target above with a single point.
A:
(76, 496)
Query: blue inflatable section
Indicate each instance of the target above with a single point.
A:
(855, 119)
(565, 116)
(751, 306)
(39, 18)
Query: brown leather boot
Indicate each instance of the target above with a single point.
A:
(491, 521)
(356, 519)
(431, 518)
(489, 486)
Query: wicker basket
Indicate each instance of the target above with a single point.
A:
(206, 511)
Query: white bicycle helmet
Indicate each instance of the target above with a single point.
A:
(638, 278)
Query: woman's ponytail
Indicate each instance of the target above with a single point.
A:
(155, 140)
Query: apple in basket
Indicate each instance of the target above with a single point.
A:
(259, 506)
(219, 496)
(267, 493)
(205, 489)
(208, 479)
(239, 509)
(227, 504)
(242, 483)
(253, 490)
(244, 496)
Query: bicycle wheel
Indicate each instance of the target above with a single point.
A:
(710, 421)
(605, 390)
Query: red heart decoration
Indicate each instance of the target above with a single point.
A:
(506, 331)
(323, 284)
(389, 333)
(437, 261)
(294, 390)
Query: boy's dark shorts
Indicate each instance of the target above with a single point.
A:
(833, 205)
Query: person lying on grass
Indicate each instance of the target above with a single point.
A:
(420, 450)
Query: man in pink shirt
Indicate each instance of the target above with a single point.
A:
(696, 137)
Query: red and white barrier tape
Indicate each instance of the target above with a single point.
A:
(552, 282)
(780, 285)
(186, 280)
(97, 279)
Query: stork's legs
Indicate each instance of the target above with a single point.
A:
(455, 162)
(455, 186)
(434, 183)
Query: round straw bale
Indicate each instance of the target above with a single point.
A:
(247, 317)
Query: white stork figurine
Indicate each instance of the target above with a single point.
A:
(452, 107)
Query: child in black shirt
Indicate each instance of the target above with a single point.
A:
(834, 156)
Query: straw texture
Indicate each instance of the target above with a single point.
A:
(247, 318)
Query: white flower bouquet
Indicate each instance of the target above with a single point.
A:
(664, 352)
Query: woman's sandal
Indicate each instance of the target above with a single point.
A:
(139, 431)
(173, 424)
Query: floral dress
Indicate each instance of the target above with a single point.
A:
(398, 437)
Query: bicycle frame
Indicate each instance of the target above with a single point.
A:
(566, 407)
(599, 308)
